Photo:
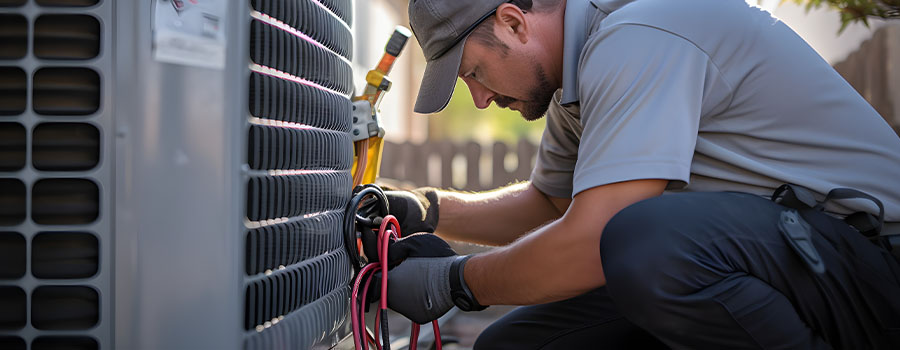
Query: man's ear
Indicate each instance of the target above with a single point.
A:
(510, 19)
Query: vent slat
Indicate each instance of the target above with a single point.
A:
(10, 342)
(13, 304)
(341, 8)
(282, 100)
(313, 149)
(64, 343)
(10, 3)
(12, 146)
(66, 91)
(13, 36)
(294, 287)
(64, 307)
(275, 48)
(13, 90)
(65, 146)
(274, 197)
(66, 37)
(12, 202)
(12, 255)
(62, 3)
(313, 20)
(290, 243)
(65, 202)
(64, 255)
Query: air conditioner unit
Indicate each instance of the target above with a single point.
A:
(174, 173)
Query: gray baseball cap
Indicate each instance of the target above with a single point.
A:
(441, 27)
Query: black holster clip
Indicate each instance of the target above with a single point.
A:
(800, 198)
(795, 197)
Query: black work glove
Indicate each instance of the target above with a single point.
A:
(416, 210)
(416, 246)
(420, 245)
(419, 286)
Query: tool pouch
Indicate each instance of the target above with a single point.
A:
(798, 232)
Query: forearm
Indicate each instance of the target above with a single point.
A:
(551, 264)
(560, 260)
(494, 218)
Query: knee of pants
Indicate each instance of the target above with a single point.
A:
(645, 250)
(495, 336)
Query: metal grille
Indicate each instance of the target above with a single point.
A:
(274, 148)
(268, 248)
(288, 101)
(55, 239)
(299, 154)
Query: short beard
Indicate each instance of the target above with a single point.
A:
(538, 99)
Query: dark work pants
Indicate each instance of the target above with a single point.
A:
(712, 271)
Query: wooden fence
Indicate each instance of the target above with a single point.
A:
(468, 166)
(874, 73)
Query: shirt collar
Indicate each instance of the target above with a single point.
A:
(581, 15)
(575, 32)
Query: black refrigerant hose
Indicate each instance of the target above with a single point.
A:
(351, 217)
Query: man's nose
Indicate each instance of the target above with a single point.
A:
(481, 95)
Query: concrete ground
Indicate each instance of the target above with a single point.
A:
(466, 326)
(458, 329)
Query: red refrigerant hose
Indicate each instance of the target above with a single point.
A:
(389, 229)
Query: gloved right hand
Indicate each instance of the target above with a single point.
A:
(416, 210)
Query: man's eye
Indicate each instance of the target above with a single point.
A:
(472, 74)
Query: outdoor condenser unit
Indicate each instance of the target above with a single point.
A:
(174, 173)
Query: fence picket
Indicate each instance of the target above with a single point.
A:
(409, 163)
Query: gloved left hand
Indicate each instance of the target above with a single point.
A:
(420, 245)
(419, 287)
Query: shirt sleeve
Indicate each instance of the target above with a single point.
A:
(556, 155)
(641, 91)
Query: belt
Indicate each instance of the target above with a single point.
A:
(798, 198)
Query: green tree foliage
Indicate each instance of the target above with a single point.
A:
(856, 10)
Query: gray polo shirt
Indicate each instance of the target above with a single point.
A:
(713, 95)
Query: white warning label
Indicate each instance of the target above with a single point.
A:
(190, 32)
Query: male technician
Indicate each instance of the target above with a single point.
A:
(670, 123)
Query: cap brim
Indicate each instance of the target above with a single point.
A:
(439, 81)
